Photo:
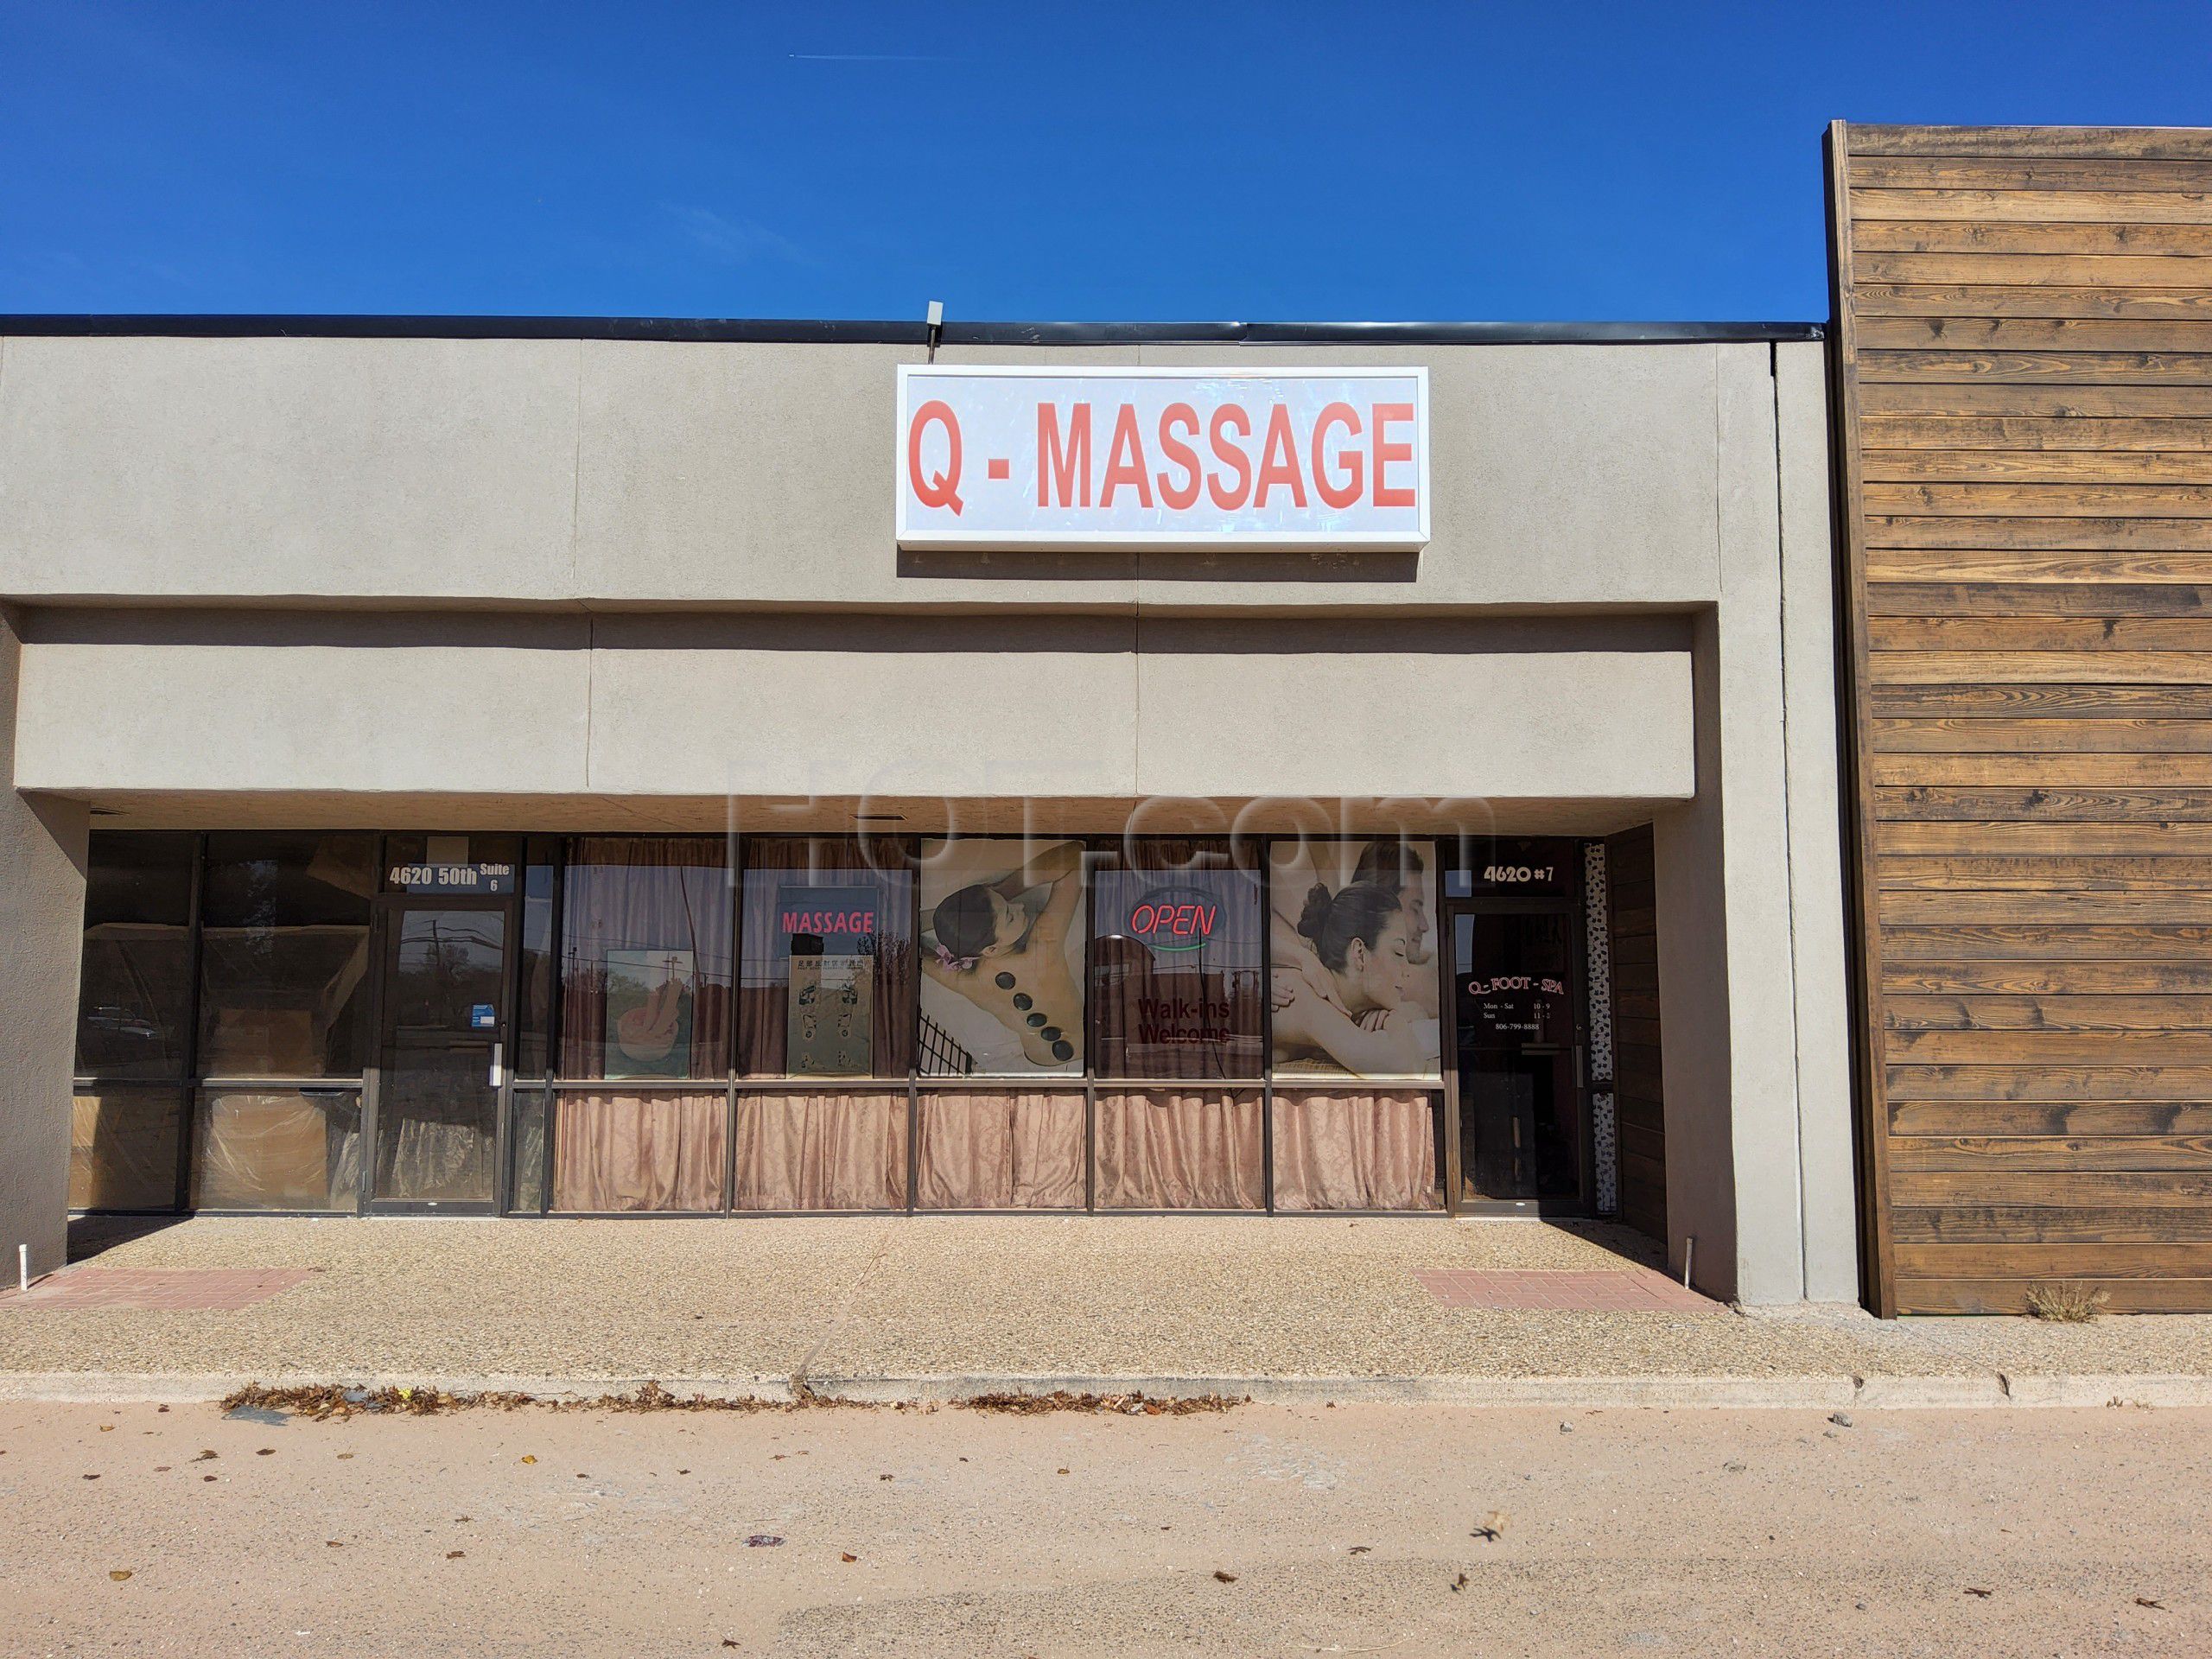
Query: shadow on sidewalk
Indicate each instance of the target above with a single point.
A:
(1615, 1239)
(91, 1234)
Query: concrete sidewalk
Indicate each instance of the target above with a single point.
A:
(932, 1307)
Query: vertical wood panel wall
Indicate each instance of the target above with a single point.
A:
(1638, 1099)
(2025, 388)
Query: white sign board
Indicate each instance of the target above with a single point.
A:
(1136, 458)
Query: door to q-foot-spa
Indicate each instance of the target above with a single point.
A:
(1518, 992)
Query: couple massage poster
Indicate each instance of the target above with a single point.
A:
(648, 1020)
(1003, 924)
(1353, 979)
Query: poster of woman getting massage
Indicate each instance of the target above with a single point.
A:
(1353, 982)
(1003, 945)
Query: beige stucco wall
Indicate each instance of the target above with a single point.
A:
(466, 472)
(41, 923)
(120, 707)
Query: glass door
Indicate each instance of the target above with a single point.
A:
(442, 1055)
(1516, 988)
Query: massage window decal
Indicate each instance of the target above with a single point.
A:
(1003, 932)
(827, 987)
(1177, 962)
(1353, 983)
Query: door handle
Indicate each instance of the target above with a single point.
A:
(499, 1067)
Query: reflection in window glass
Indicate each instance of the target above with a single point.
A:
(123, 1147)
(1001, 957)
(278, 1150)
(526, 1183)
(1355, 980)
(646, 957)
(285, 953)
(134, 996)
(534, 988)
(827, 987)
(1176, 968)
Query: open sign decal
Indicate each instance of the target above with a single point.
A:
(1174, 918)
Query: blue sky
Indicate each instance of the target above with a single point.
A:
(835, 158)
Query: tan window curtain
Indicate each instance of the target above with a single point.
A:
(1166, 1014)
(1180, 1149)
(985, 1150)
(821, 1151)
(625, 1152)
(764, 991)
(1345, 1150)
(645, 893)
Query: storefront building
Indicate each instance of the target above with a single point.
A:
(595, 769)
(1745, 780)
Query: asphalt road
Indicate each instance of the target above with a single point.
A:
(1263, 1530)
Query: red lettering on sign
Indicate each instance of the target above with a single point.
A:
(1386, 417)
(1065, 469)
(1279, 461)
(1179, 454)
(944, 490)
(1231, 455)
(1125, 461)
(827, 921)
(1345, 415)
(1181, 920)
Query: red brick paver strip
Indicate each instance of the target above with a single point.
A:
(1529, 1290)
(169, 1290)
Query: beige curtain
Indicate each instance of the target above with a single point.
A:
(1342, 1150)
(821, 1151)
(620, 1152)
(1180, 1149)
(645, 893)
(985, 1150)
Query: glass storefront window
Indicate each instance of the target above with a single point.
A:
(526, 1153)
(134, 997)
(1354, 975)
(1177, 962)
(123, 1147)
(285, 954)
(1185, 1148)
(845, 1151)
(620, 1152)
(468, 867)
(278, 1150)
(1513, 866)
(1355, 1148)
(999, 1149)
(646, 957)
(1002, 953)
(826, 989)
(534, 985)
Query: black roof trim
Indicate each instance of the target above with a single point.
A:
(833, 333)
